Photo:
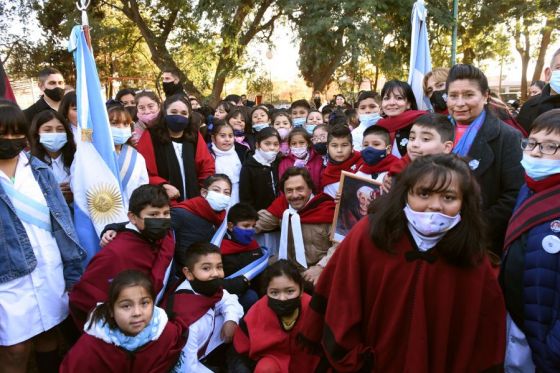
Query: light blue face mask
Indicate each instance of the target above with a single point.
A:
(258, 127)
(53, 142)
(538, 168)
(368, 120)
(555, 81)
(309, 128)
(298, 122)
(121, 135)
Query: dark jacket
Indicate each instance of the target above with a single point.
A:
(495, 158)
(536, 106)
(258, 184)
(36, 108)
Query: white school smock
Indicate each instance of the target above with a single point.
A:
(178, 147)
(36, 302)
(61, 174)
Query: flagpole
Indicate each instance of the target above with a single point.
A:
(454, 36)
(82, 6)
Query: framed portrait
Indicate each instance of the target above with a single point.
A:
(356, 194)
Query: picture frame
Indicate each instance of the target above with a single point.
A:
(356, 194)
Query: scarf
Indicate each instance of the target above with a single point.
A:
(200, 207)
(229, 247)
(403, 120)
(227, 162)
(258, 157)
(464, 145)
(540, 207)
(398, 166)
(383, 165)
(151, 332)
(332, 172)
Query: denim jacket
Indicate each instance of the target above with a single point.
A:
(16, 254)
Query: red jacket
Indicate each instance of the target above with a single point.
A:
(314, 166)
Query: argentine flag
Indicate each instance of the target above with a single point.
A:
(420, 59)
(94, 182)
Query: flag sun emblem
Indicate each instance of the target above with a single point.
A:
(104, 203)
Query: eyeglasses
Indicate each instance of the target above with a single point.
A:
(548, 148)
(320, 138)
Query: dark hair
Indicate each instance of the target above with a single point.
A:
(548, 121)
(233, 98)
(300, 103)
(68, 101)
(125, 279)
(369, 94)
(339, 131)
(171, 70)
(121, 115)
(337, 118)
(190, 133)
(241, 212)
(12, 119)
(189, 257)
(323, 127)
(226, 105)
(149, 94)
(38, 150)
(468, 72)
(297, 171)
(404, 88)
(44, 73)
(327, 109)
(147, 195)
(124, 92)
(281, 268)
(538, 83)
(465, 244)
(314, 111)
(265, 133)
(263, 108)
(281, 113)
(378, 131)
(235, 112)
(439, 123)
(219, 125)
(216, 177)
(300, 131)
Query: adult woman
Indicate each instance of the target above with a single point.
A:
(147, 111)
(399, 108)
(41, 259)
(175, 152)
(52, 141)
(411, 289)
(489, 144)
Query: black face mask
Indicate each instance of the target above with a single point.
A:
(155, 228)
(10, 148)
(132, 111)
(54, 94)
(171, 88)
(284, 308)
(207, 288)
(439, 101)
(320, 147)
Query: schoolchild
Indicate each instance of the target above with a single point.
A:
(376, 154)
(341, 157)
(237, 118)
(299, 111)
(302, 155)
(148, 107)
(145, 243)
(319, 140)
(214, 312)
(282, 121)
(258, 181)
(128, 332)
(314, 118)
(260, 118)
(369, 107)
(266, 340)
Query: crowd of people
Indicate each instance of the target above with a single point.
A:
(228, 261)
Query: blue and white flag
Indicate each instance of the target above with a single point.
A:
(420, 60)
(94, 181)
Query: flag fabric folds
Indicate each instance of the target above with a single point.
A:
(420, 59)
(5, 87)
(95, 182)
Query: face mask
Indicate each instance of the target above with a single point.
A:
(555, 81)
(54, 94)
(53, 142)
(309, 128)
(132, 111)
(368, 120)
(298, 122)
(538, 168)
(320, 148)
(298, 152)
(269, 156)
(121, 135)
(258, 127)
(243, 236)
(176, 123)
(171, 88)
(439, 101)
(284, 132)
(373, 156)
(238, 133)
(207, 288)
(430, 223)
(284, 308)
(155, 228)
(10, 148)
(317, 102)
(217, 201)
(148, 118)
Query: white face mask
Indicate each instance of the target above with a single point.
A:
(555, 81)
(268, 157)
(539, 168)
(428, 228)
(298, 152)
(217, 201)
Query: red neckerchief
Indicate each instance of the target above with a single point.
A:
(399, 166)
(332, 172)
(319, 210)
(540, 185)
(200, 207)
(229, 247)
(384, 165)
(403, 120)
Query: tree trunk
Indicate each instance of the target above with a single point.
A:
(376, 78)
(525, 53)
(546, 33)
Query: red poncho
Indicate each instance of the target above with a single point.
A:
(403, 120)
(393, 314)
(382, 166)
(399, 166)
(319, 210)
(199, 206)
(332, 173)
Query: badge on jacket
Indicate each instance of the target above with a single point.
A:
(551, 244)
(555, 226)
